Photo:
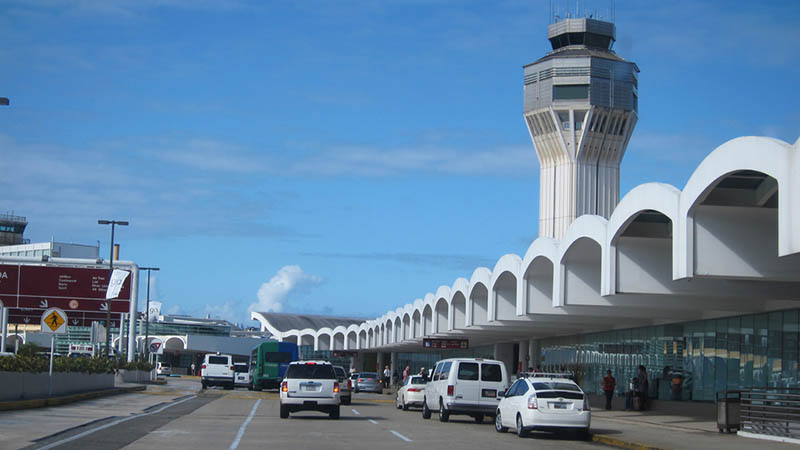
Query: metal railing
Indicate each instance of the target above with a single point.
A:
(14, 218)
(772, 411)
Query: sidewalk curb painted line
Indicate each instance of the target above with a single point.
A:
(619, 443)
(65, 399)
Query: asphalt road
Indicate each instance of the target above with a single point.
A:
(217, 419)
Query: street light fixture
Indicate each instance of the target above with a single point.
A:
(4, 101)
(110, 273)
(147, 315)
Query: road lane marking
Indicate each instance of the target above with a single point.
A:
(114, 423)
(239, 435)
(372, 422)
(400, 436)
(355, 412)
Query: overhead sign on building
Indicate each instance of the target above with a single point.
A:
(54, 321)
(442, 344)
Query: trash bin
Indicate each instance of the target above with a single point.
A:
(728, 409)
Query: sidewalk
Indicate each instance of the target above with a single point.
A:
(669, 425)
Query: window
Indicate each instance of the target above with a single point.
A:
(512, 391)
(570, 92)
(523, 388)
(437, 372)
(218, 360)
(278, 357)
(468, 371)
(491, 372)
(311, 371)
(446, 370)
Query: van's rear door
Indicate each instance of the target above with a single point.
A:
(468, 386)
(491, 382)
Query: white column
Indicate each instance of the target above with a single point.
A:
(522, 355)
(132, 313)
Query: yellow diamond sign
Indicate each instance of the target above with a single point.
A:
(54, 321)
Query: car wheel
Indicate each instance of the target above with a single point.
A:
(249, 386)
(257, 387)
(479, 418)
(520, 428)
(205, 386)
(284, 412)
(498, 423)
(334, 414)
(426, 413)
(444, 416)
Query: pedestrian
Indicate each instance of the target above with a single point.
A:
(193, 367)
(641, 387)
(423, 373)
(406, 372)
(609, 384)
(387, 373)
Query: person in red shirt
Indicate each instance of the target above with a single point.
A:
(609, 384)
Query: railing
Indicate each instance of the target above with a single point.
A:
(773, 411)
(13, 218)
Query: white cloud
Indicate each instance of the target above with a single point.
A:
(274, 295)
(229, 311)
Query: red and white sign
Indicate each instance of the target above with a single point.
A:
(74, 318)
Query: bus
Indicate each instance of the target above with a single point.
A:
(268, 363)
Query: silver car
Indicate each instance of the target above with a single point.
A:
(368, 382)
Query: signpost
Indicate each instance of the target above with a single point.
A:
(441, 344)
(54, 321)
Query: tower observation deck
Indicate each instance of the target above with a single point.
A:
(581, 104)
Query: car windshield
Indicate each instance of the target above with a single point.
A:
(418, 380)
(218, 360)
(368, 375)
(311, 371)
(239, 368)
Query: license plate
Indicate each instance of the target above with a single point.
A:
(489, 393)
(308, 388)
(559, 405)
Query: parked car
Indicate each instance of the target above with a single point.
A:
(543, 402)
(468, 386)
(354, 379)
(310, 386)
(345, 385)
(368, 382)
(241, 374)
(217, 370)
(412, 392)
(163, 368)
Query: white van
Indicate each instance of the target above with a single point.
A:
(466, 386)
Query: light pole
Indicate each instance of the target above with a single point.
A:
(147, 315)
(110, 273)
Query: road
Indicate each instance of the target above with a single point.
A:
(216, 419)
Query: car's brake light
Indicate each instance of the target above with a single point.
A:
(451, 390)
(335, 387)
(284, 387)
(203, 366)
(311, 364)
(586, 406)
(233, 367)
(413, 390)
(349, 385)
(360, 379)
(532, 403)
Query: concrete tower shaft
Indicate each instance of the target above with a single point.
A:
(581, 104)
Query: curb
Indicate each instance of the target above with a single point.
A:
(65, 399)
(619, 443)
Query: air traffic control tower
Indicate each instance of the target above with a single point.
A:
(581, 104)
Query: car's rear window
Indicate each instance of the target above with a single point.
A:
(572, 395)
(368, 375)
(491, 372)
(418, 380)
(239, 368)
(278, 357)
(218, 360)
(468, 371)
(311, 371)
(555, 386)
(339, 372)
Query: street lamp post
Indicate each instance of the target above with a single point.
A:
(147, 314)
(110, 273)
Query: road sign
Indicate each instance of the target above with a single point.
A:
(446, 343)
(74, 318)
(54, 321)
(156, 346)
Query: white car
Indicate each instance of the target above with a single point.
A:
(468, 386)
(412, 392)
(345, 385)
(217, 370)
(241, 374)
(310, 386)
(543, 402)
(163, 368)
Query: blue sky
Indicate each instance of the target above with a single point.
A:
(340, 157)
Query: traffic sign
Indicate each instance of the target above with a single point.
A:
(54, 321)
(156, 346)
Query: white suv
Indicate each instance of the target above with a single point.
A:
(217, 370)
(468, 386)
(310, 386)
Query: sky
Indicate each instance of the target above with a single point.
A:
(340, 157)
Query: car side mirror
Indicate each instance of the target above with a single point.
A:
(501, 394)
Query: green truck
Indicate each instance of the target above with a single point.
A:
(268, 363)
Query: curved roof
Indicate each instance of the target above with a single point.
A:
(284, 322)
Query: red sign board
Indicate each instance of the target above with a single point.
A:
(441, 344)
(69, 288)
(74, 318)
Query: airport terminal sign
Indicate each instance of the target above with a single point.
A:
(441, 344)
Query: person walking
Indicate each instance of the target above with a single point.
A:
(609, 384)
(641, 387)
(387, 374)
(406, 372)
(193, 367)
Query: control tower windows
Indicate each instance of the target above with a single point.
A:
(571, 92)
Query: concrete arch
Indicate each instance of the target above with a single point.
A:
(351, 341)
(398, 329)
(441, 313)
(478, 299)
(458, 314)
(307, 336)
(427, 321)
(370, 338)
(580, 269)
(537, 276)
(362, 339)
(175, 343)
(324, 339)
(504, 288)
(338, 339)
(406, 335)
(416, 324)
(389, 327)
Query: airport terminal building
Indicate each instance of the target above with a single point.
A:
(700, 284)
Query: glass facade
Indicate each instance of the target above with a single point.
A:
(688, 361)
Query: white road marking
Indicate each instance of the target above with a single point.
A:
(355, 412)
(401, 436)
(111, 424)
(373, 422)
(235, 443)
